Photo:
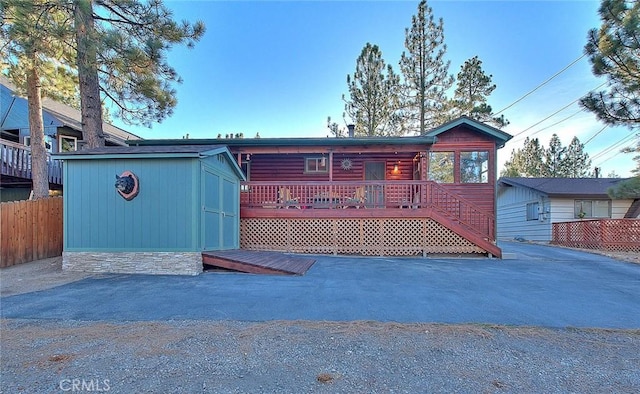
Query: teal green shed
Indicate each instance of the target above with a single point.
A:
(182, 200)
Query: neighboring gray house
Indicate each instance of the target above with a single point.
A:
(62, 133)
(62, 123)
(527, 207)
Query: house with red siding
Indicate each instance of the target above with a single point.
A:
(382, 196)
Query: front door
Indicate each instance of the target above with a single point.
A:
(374, 171)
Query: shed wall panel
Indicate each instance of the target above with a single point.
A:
(160, 218)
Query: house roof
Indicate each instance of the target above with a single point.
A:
(427, 139)
(564, 187)
(324, 141)
(152, 152)
(148, 151)
(14, 115)
(480, 127)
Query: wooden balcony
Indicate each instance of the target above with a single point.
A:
(366, 199)
(15, 165)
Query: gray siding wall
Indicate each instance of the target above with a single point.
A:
(512, 215)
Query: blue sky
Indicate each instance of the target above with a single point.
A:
(279, 67)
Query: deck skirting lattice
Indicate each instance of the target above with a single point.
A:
(357, 236)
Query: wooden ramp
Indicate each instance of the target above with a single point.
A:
(258, 262)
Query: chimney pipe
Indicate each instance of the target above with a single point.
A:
(352, 129)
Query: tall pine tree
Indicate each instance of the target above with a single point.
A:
(425, 71)
(554, 158)
(527, 161)
(576, 162)
(373, 101)
(473, 88)
(132, 41)
(33, 33)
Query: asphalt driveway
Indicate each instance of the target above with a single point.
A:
(542, 286)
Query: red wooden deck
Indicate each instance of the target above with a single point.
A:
(258, 262)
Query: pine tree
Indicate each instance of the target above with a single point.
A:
(473, 87)
(576, 162)
(33, 33)
(426, 73)
(513, 165)
(554, 158)
(373, 100)
(527, 161)
(614, 52)
(132, 39)
(87, 63)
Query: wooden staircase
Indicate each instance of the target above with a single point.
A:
(463, 218)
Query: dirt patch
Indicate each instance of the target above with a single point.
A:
(36, 275)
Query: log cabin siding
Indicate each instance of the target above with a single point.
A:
(290, 167)
(461, 139)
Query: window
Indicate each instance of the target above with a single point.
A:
(315, 165)
(246, 168)
(68, 143)
(441, 167)
(474, 167)
(47, 144)
(532, 211)
(592, 209)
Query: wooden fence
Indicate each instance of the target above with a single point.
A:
(620, 235)
(31, 230)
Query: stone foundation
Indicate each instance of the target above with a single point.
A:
(156, 263)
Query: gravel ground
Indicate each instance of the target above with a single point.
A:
(325, 357)
(49, 356)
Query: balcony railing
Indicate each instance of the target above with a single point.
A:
(15, 161)
(383, 195)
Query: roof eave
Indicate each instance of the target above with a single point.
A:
(268, 142)
(500, 136)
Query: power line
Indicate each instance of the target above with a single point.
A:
(541, 85)
(553, 114)
(557, 123)
(608, 149)
(594, 136)
(611, 157)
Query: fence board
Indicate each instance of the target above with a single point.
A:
(621, 235)
(31, 230)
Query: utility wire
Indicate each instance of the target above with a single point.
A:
(557, 123)
(553, 114)
(594, 136)
(608, 149)
(541, 85)
(615, 155)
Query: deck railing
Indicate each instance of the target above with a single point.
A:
(368, 195)
(15, 161)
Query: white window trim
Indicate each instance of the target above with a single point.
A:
(318, 160)
(75, 142)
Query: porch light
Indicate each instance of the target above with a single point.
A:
(395, 168)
